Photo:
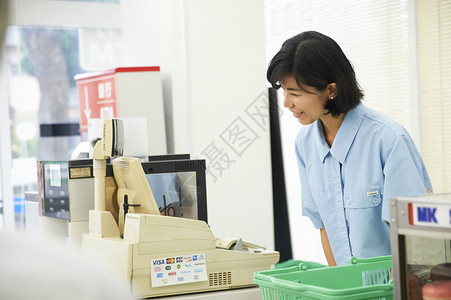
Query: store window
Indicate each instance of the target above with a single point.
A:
(43, 99)
(43, 103)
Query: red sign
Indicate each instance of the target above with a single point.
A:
(97, 94)
(97, 99)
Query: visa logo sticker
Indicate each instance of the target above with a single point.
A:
(430, 215)
(157, 262)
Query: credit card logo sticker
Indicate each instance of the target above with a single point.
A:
(170, 260)
(178, 270)
(158, 262)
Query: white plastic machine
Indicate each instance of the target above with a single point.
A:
(161, 255)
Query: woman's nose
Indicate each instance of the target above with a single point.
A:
(287, 102)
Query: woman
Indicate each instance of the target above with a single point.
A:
(351, 159)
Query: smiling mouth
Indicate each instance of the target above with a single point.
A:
(296, 115)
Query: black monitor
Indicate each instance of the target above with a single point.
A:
(178, 185)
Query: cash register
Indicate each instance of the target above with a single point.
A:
(160, 255)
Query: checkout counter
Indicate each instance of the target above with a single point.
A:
(252, 293)
(155, 254)
(131, 247)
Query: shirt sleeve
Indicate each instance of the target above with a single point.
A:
(308, 204)
(404, 172)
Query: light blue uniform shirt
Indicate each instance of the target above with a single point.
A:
(347, 187)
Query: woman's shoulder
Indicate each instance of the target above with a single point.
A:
(379, 121)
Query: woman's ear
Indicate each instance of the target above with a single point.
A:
(331, 90)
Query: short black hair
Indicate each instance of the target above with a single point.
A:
(316, 60)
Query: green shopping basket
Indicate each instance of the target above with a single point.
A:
(368, 278)
(296, 263)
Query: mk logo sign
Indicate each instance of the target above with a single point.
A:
(426, 214)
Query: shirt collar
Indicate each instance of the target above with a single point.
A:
(345, 135)
(323, 147)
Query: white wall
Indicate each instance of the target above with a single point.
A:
(212, 58)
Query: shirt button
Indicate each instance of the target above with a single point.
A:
(375, 200)
(348, 201)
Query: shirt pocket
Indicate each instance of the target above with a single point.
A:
(364, 199)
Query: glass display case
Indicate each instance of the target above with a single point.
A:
(421, 246)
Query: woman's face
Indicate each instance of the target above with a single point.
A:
(307, 107)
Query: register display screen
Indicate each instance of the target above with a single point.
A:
(175, 193)
(54, 194)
